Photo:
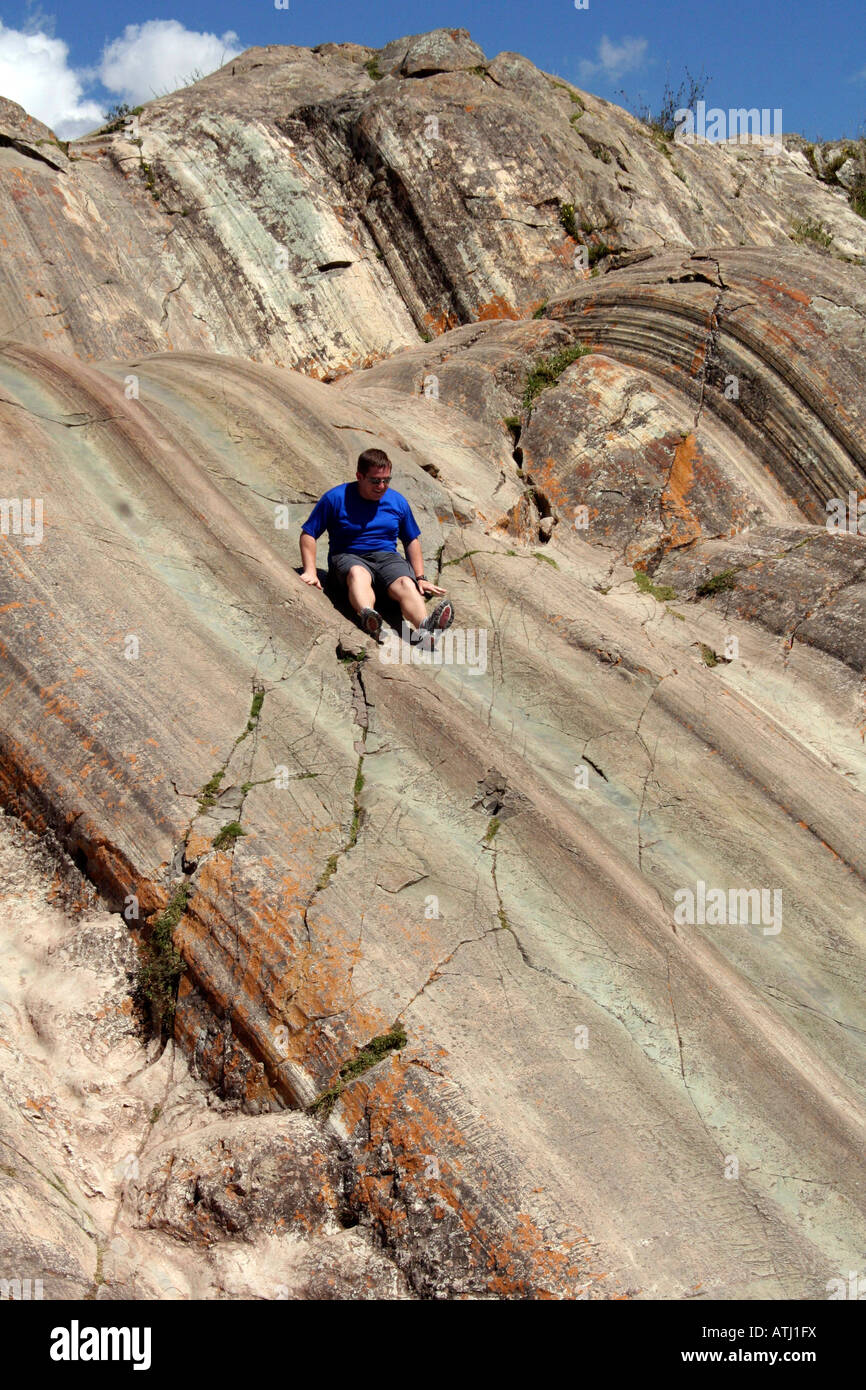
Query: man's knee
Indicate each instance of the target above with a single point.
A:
(359, 572)
(401, 585)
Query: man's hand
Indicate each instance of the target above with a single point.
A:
(310, 577)
(425, 587)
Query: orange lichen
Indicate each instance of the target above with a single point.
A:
(496, 308)
(680, 520)
(509, 1254)
(439, 323)
(798, 295)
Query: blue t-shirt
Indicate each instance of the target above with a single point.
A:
(359, 526)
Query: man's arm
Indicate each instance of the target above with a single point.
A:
(415, 557)
(308, 559)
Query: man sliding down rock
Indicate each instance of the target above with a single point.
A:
(363, 520)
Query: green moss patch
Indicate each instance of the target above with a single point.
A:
(209, 793)
(574, 97)
(660, 592)
(356, 805)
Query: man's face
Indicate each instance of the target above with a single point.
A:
(375, 484)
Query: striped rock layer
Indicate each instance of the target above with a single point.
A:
(596, 1097)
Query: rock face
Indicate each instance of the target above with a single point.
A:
(462, 1036)
(770, 343)
(805, 584)
(319, 209)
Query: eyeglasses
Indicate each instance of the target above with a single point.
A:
(379, 482)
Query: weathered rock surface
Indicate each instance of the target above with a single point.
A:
(321, 208)
(485, 853)
(771, 342)
(839, 164)
(303, 943)
(805, 584)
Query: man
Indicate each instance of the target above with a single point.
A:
(363, 520)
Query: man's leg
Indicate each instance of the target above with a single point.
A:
(404, 591)
(360, 588)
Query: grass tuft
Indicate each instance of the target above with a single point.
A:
(228, 835)
(162, 963)
(599, 249)
(566, 218)
(548, 370)
(808, 229)
(725, 579)
(209, 792)
(256, 709)
(329, 869)
(368, 1057)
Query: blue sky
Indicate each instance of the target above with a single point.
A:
(67, 64)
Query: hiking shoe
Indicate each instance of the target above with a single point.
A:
(370, 621)
(441, 617)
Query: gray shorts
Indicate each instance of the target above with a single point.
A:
(384, 565)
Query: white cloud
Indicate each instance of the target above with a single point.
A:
(34, 71)
(614, 59)
(146, 60)
(160, 56)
